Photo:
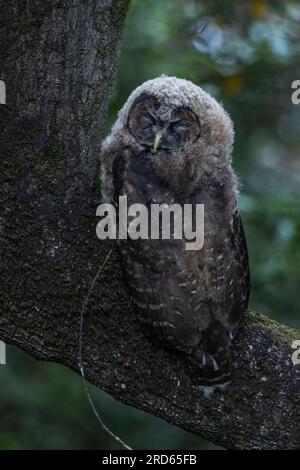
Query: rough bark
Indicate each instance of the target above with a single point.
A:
(58, 59)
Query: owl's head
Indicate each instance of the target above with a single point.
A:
(183, 130)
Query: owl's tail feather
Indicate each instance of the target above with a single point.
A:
(210, 362)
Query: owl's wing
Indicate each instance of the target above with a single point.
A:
(227, 283)
(163, 291)
(236, 276)
(229, 277)
(175, 309)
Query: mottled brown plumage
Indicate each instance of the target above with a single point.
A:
(190, 301)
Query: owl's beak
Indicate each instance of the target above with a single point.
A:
(157, 141)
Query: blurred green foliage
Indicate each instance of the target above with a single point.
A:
(246, 54)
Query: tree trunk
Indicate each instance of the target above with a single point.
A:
(58, 60)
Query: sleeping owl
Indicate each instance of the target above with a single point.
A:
(172, 144)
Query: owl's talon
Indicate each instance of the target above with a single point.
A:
(208, 390)
(232, 334)
(209, 361)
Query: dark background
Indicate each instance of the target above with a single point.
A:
(246, 54)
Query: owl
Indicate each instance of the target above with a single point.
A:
(172, 144)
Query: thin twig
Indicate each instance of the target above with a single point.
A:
(80, 363)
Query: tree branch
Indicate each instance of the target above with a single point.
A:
(58, 60)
